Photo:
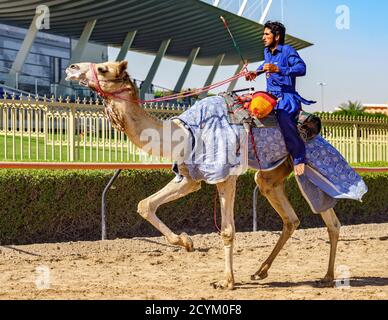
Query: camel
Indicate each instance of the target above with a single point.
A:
(121, 100)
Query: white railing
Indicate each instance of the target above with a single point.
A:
(78, 131)
(60, 130)
(359, 139)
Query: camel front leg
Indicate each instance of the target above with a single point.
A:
(333, 228)
(172, 191)
(227, 191)
(272, 187)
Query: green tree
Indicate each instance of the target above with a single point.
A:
(352, 106)
(356, 109)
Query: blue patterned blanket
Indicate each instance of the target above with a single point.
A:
(220, 151)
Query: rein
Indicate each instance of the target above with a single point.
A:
(116, 94)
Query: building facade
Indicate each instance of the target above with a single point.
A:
(46, 62)
(376, 108)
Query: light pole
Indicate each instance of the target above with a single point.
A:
(322, 84)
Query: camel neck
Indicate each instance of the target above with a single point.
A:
(152, 135)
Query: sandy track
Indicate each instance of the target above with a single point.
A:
(149, 268)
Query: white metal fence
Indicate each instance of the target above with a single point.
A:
(61, 130)
(360, 139)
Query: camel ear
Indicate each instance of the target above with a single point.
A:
(123, 66)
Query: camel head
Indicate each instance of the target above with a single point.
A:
(107, 77)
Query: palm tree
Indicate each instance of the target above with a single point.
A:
(351, 106)
(356, 109)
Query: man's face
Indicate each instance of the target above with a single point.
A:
(268, 38)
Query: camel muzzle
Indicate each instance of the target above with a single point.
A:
(75, 73)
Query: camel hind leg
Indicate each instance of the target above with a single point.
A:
(227, 192)
(272, 185)
(333, 228)
(172, 191)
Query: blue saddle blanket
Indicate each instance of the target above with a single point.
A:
(219, 148)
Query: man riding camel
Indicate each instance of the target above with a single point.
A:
(282, 64)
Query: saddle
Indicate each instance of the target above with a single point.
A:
(259, 114)
(258, 110)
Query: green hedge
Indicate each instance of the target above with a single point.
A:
(50, 206)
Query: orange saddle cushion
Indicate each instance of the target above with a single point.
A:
(262, 104)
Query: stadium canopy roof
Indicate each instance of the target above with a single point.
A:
(189, 23)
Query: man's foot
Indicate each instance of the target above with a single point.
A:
(299, 169)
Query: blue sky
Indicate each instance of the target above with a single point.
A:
(351, 62)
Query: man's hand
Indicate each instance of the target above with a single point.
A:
(299, 169)
(251, 75)
(271, 68)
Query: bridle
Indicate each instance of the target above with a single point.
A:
(104, 94)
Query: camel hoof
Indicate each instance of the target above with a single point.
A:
(187, 242)
(326, 282)
(223, 285)
(261, 274)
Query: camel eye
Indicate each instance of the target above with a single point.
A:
(102, 70)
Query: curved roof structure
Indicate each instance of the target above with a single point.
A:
(189, 23)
